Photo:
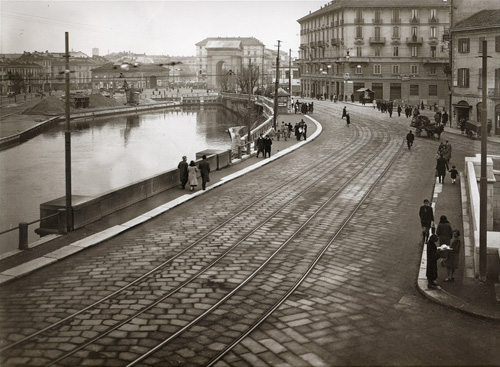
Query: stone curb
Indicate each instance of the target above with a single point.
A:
(52, 257)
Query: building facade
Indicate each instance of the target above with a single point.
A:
(393, 47)
(111, 76)
(467, 40)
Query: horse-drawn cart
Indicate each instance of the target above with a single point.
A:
(472, 130)
(423, 125)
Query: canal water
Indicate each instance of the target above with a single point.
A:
(107, 153)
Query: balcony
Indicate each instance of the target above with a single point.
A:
(321, 43)
(377, 40)
(414, 21)
(303, 46)
(335, 42)
(359, 21)
(312, 44)
(377, 21)
(433, 20)
(396, 20)
(414, 41)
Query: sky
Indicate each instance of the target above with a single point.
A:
(152, 27)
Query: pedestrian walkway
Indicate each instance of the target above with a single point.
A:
(465, 294)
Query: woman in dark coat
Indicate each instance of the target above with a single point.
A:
(432, 258)
(453, 256)
(441, 168)
(444, 231)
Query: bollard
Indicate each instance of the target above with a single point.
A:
(23, 236)
(239, 152)
(249, 152)
(61, 221)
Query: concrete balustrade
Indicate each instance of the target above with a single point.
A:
(88, 209)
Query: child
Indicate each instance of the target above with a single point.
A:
(454, 173)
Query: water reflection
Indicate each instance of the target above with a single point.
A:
(107, 153)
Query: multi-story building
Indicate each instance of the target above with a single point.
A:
(140, 76)
(392, 47)
(216, 57)
(467, 40)
(21, 76)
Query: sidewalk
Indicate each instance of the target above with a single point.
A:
(465, 294)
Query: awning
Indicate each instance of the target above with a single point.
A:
(364, 90)
(462, 106)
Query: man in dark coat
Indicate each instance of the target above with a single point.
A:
(432, 257)
(441, 168)
(204, 167)
(409, 139)
(344, 112)
(267, 146)
(444, 118)
(183, 171)
(426, 215)
(260, 146)
(348, 119)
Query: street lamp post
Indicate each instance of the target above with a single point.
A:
(276, 87)
(67, 140)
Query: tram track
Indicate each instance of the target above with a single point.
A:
(112, 296)
(347, 157)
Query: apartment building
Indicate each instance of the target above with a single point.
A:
(393, 47)
(467, 39)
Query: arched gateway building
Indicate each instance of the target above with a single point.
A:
(220, 59)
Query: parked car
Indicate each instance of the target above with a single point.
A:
(11, 94)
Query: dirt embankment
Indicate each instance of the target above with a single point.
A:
(52, 106)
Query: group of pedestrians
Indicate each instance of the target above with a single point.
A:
(449, 245)
(443, 157)
(188, 173)
(302, 107)
(263, 145)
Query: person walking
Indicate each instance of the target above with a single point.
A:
(348, 119)
(453, 256)
(205, 171)
(426, 215)
(344, 112)
(409, 139)
(444, 118)
(447, 156)
(267, 146)
(260, 145)
(444, 231)
(454, 174)
(183, 171)
(399, 110)
(192, 172)
(441, 168)
(432, 257)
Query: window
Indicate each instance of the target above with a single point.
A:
(463, 78)
(414, 69)
(463, 45)
(414, 90)
(359, 32)
(377, 50)
(377, 16)
(497, 82)
(359, 50)
(359, 69)
(497, 44)
(414, 51)
(433, 32)
(433, 13)
(481, 39)
(433, 90)
(414, 32)
(414, 15)
(359, 16)
(377, 33)
(395, 69)
(432, 70)
(395, 15)
(395, 32)
(433, 51)
(377, 69)
(395, 51)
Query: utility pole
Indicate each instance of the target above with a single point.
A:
(67, 145)
(276, 86)
(249, 122)
(483, 190)
(290, 71)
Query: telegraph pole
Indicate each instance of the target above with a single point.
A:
(67, 145)
(483, 190)
(276, 86)
(290, 71)
(249, 122)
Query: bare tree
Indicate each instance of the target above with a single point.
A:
(248, 76)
